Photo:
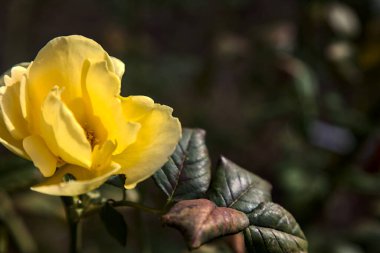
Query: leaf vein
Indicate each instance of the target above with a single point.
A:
(262, 238)
(278, 242)
(243, 193)
(229, 188)
(196, 177)
(291, 235)
(181, 165)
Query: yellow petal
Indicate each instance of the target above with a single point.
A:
(17, 72)
(42, 158)
(118, 66)
(60, 63)
(9, 142)
(7, 80)
(103, 87)
(24, 100)
(101, 156)
(8, 73)
(62, 133)
(12, 111)
(5, 137)
(85, 180)
(130, 186)
(136, 107)
(157, 138)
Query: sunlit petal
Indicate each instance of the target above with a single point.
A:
(85, 180)
(136, 107)
(42, 158)
(60, 63)
(118, 66)
(103, 87)
(157, 139)
(9, 142)
(101, 156)
(11, 107)
(62, 132)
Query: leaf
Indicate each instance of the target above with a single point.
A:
(237, 188)
(114, 223)
(201, 220)
(187, 174)
(273, 230)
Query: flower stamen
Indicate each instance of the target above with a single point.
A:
(90, 135)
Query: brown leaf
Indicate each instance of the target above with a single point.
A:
(201, 220)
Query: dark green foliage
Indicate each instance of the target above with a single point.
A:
(236, 195)
(114, 223)
(264, 240)
(187, 173)
(235, 187)
(273, 229)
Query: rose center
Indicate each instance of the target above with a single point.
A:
(91, 137)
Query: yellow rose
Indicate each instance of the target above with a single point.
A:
(64, 112)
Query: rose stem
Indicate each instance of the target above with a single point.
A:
(73, 222)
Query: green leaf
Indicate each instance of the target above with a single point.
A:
(235, 187)
(114, 223)
(200, 220)
(273, 230)
(187, 173)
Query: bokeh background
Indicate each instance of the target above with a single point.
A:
(287, 89)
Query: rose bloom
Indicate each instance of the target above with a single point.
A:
(64, 112)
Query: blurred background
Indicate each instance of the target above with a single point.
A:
(288, 89)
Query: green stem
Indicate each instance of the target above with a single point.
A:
(137, 206)
(73, 222)
(75, 242)
(124, 192)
